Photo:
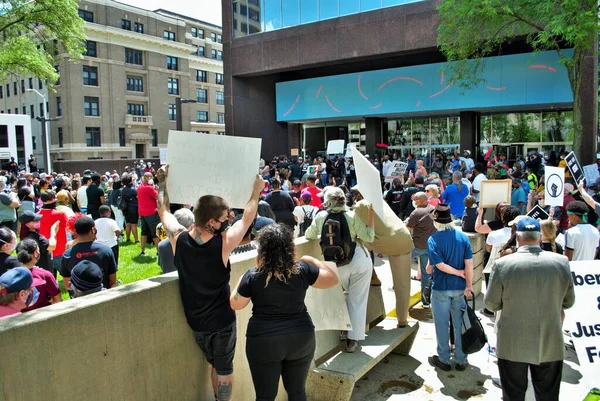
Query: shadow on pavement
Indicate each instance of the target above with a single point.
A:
(463, 385)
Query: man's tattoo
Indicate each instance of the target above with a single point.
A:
(198, 238)
(163, 196)
(224, 391)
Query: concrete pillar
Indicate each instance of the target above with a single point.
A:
(589, 107)
(469, 132)
(373, 131)
(294, 137)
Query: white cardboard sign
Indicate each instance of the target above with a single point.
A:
(369, 182)
(396, 170)
(211, 165)
(335, 147)
(163, 156)
(583, 319)
(591, 173)
(554, 185)
(327, 308)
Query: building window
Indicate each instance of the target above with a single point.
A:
(86, 15)
(15, 88)
(90, 48)
(154, 137)
(213, 53)
(90, 75)
(172, 112)
(133, 56)
(243, 9)
(47, 107)
(213, 36)
(57, 69)
(58, 106)
(220, 133)
(173, 86)
(32, 111)
(219, 55)
(219, 79)
(7, 90)
(200, 33)
(121, 136)
(201, 96)
(90, 106)
(169, 35)
(201, 76)
(219, 38)
(220, 118)
(194, 32)
(1, 92)
(138, 27)
(135, 84)
(42, 110)
(30, 83)
(126, 24)
(202, 117)
(220, 98)
(23, 85)
(60, 137)
(136, 109)
(200, 51)
(40, 84)
(253, 15)
(172, 63)
(16, 110)
(24, 110)
(34, 142)
(92, 136)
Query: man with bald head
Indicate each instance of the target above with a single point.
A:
(420, 223)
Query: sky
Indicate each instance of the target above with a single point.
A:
(205, 10)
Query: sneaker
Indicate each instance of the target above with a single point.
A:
(496, 382)
(351, 346)
(426, 306)
(461, 366)
(142, 253)
(486, 313)
(437, 363)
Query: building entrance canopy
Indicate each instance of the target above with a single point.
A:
(521, 81)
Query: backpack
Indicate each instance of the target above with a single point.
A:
(336, 242)
(473, 335)
(121, 203)
(308, 219)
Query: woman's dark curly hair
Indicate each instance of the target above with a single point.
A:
(276, 253)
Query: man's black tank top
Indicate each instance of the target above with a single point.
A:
(204, 283)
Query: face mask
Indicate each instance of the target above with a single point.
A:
(224, 226)
(32, 298)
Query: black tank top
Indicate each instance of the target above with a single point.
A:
(204, 283)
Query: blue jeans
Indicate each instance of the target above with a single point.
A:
(423, 259)
(56, 261)
(446, 304)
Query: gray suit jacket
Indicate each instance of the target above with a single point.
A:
(531, 287)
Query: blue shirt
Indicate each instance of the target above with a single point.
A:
(455, 199)
(518, 195)
(451, 247)
(526, 187)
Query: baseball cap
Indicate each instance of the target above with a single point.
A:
(86, 275)
(528, 224)
(87, 172)
(28, 216)
(322, 193)
(306, 195)
(467, 151)
(18, 279)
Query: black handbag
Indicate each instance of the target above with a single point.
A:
(473, 334)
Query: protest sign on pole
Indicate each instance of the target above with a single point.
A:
(574, 167)
(327, 308)
(590, 173)
(196, 167)
(335, 147)
(554, 185)
(163, 156)
(583, 319)
(369, 181)
(396, 170)
(538, 213)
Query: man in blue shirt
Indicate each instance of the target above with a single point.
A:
(451, 260)
(518, 197)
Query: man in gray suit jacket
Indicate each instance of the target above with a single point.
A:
(531, 287)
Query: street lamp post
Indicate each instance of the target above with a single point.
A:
(178, 115)
(44, 119)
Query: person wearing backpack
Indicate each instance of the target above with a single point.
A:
(305, 214)
(341, 233)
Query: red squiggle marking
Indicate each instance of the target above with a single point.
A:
(496, 88)
(535, 66)
(418, 103)
(360, 90)
(319, 90)
(442, 78)
(399, 79)
(293, 106)
(330, 105)
(443, 90)
(376, 107)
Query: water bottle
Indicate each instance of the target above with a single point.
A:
(593, 395)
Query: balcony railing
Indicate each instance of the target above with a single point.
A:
(131, 120)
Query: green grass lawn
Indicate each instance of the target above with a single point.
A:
(132, 267)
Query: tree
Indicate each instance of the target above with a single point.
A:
(34, 32)
(474, 29)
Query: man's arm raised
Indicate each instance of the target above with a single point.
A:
(170, 223)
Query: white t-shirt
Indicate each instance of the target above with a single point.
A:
(106, 228)
(583, 240)
(477, 184)
(82, 197)
(386, 167)
(499, 236)
(310, 211)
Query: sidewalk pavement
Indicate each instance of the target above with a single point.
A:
(412, 378)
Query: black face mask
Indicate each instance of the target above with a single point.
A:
(224, 226)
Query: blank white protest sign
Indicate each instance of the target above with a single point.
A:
(221, 165)
(369, 181)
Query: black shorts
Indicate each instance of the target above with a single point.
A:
(149, 224)
(130, 217)
(218, 348)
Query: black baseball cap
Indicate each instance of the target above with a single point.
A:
(28, 216)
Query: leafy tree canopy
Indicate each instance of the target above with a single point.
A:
(34, 32)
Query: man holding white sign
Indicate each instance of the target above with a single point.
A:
(202, 260)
